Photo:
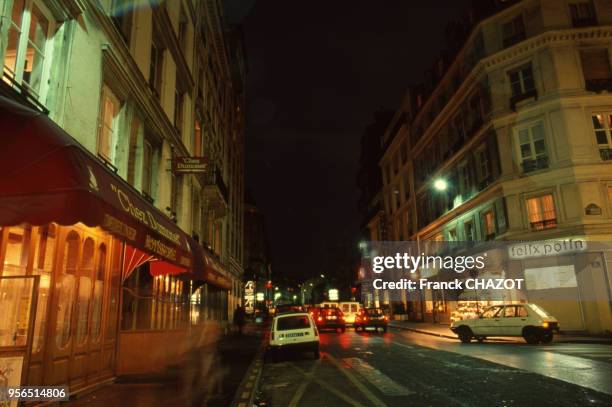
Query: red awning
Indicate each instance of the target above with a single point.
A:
(47, 176)
(206, 268)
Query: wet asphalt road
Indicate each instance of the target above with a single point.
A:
(402, 368)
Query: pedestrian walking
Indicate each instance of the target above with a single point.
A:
(239, 318)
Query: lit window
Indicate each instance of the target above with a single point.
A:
(489, 224)
(541, 212)
(602, 125)
(109, 110)
(197, 139)
(28, 47)
(532, 148)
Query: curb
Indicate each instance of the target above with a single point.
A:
(596, 341)
(245, 394)
(420, 331)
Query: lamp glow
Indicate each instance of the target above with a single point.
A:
(440, 184)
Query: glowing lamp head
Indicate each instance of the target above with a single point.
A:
(440, 184)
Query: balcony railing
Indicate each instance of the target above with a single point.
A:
(533, 93)
(598, 85)
(215, 178)
(605, 153)
(544, 224)
(535, 164)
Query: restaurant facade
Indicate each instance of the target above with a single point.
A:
(114, 253)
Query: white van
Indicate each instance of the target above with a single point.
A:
(294, 330)
(350, 309)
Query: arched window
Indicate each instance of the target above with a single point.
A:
(85, 274)
(66, 288)
(98, 294)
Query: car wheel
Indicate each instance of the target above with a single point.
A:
(546, 337)
(480, 339)
(530, 335)
(465, 334)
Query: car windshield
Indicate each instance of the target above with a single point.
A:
(292, 322)
(540, 311)
(374, 312)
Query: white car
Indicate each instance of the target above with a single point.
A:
(294, 330)
(530, 321)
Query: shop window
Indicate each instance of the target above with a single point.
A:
(44, 257)
(26, 57)
(541, 212)
(113, 297)
(513, 31)
(602, 125)
(98, 293)
(596, 69)
(17, 250)
(532, 148)
(84, 291)
(65, 289)
(107, 132)
(583, 14)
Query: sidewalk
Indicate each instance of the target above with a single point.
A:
(171, 387)
(443, 331)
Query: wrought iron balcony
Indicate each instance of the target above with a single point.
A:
(216, 192)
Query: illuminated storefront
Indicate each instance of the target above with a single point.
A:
(115, 276)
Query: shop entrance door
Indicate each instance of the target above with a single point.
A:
(18, 298)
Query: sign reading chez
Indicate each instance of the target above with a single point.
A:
(524, 250)
(189, 165)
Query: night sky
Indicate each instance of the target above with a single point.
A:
(317, 72)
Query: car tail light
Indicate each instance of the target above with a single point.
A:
(386, 318)
(320, 319)
(366, 319)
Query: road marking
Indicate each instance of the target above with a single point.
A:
(297, 396)
(402, 345)
(355, 381)
(378, 379)
(329, 388)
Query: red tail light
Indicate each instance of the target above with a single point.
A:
(319, 319)
(386, 318)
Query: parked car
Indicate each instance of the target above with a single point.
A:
(350, 310)
(329, 318)
(294, 331)
(530, 321)
(371, 318)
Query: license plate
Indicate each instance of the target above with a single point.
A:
(331, 317)
(294, 335)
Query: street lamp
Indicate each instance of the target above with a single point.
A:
(440, 184)
(322, 275)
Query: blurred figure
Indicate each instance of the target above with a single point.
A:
(203, 375)
(239, 318)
